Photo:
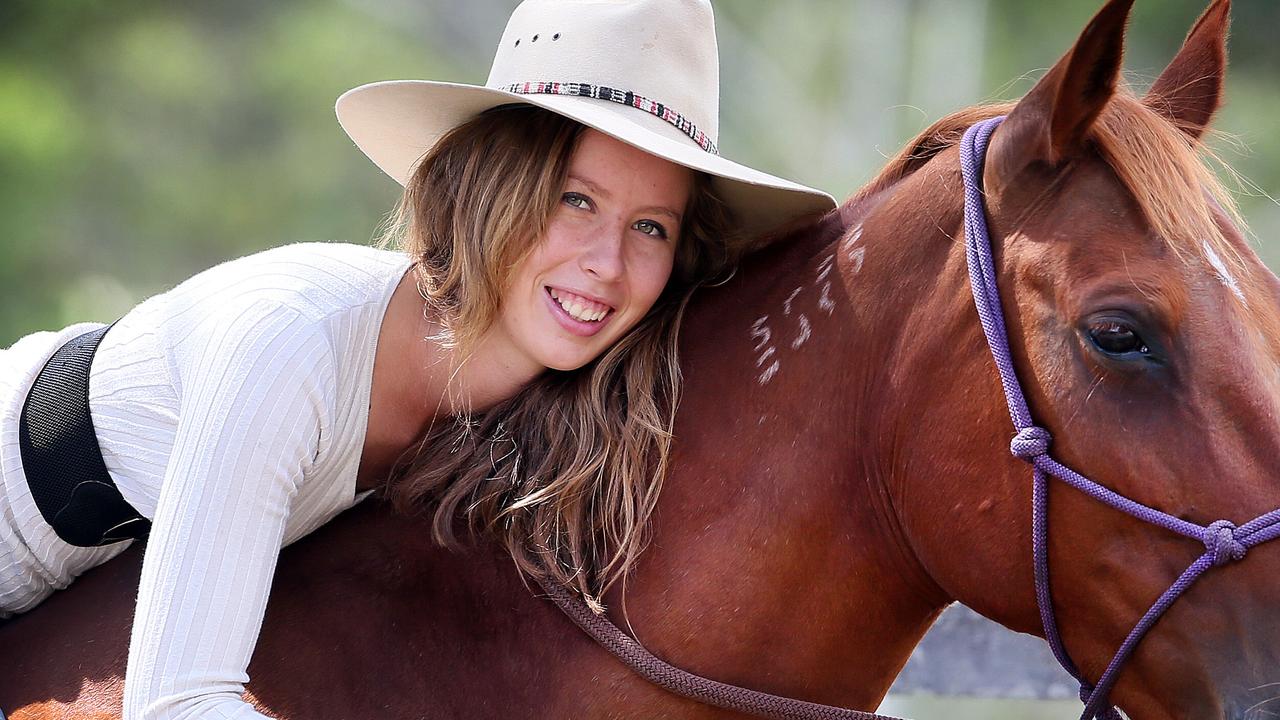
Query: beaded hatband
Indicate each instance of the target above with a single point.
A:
(622, 97)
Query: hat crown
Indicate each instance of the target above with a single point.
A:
(662, 50)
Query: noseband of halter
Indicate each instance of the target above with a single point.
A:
(1224, 542)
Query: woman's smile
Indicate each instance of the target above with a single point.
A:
(577, 314)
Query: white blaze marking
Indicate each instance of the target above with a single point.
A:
(1223, 274)
(857, 234)
(760, 333)
(805, 332)
(857, 255)
(786, 304)
(768, 373)
(825, 301)
(824, 267)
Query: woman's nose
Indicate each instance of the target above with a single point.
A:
(603, 255)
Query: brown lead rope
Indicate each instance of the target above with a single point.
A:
(686, 684)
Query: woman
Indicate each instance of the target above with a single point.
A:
(512, 361)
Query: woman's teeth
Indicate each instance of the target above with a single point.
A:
(579, 307)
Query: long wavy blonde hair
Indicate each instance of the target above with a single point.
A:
(566, 472)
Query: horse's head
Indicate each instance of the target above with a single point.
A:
(1146, 333)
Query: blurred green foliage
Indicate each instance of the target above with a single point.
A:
(953, 708)
(143, 141)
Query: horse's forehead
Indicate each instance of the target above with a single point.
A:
(1204, 299)
(1098, 227)
(1223, 273)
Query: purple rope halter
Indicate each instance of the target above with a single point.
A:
(1223, 541)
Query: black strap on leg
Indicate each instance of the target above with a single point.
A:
(61, 457)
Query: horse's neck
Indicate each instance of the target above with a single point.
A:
(777, 534)
(938, 428)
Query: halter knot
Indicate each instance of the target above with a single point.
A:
(1030, 442)
(1221, 542)
(1086, 692)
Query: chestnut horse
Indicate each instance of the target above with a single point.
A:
(842, 469)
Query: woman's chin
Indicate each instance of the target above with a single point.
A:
(566, 363)
(567, 356)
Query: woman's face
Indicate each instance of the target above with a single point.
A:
(606, 256)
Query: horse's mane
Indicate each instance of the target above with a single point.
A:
(1163, 168)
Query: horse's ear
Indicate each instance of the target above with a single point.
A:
(1051, 123)
(1189, 91)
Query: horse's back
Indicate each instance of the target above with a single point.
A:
(70, 651)
(367, 618)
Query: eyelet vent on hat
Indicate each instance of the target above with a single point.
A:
(622, 97)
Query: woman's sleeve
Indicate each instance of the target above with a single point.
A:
(255, 382)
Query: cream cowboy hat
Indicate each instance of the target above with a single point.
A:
(646, 72)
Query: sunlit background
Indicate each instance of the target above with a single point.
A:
(142, 141)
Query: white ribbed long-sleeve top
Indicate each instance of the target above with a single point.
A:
(232, 411)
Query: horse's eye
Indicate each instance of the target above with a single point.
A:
(1117, 338)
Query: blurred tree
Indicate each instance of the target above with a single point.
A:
(141, 142)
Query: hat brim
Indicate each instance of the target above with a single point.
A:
(396, 122)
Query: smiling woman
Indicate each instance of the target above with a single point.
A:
(506, 357)
(573, 246)
(603, 260)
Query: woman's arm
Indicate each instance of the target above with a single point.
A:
(255, 383)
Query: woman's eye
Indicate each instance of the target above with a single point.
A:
(649, 227)
(576, 200)
(1117, 338)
